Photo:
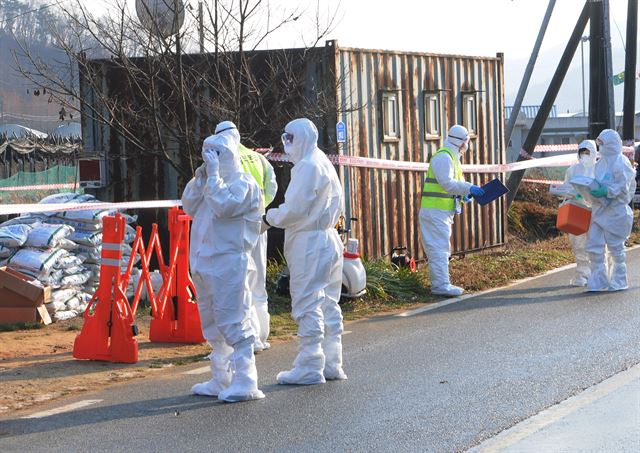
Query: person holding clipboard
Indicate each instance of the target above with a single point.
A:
(443, 191)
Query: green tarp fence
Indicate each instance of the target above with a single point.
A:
(31, 187)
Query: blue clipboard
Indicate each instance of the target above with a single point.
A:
(492, 191)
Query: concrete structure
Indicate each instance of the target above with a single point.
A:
(560, 129)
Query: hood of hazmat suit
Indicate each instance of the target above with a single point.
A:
(226, 211)
(611, 216)
(313, 204)
(457, 139)
(584, 166)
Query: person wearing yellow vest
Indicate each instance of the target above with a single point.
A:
(256, 165)
(443, 191)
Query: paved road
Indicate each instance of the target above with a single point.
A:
(445, 379)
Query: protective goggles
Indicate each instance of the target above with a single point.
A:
(287, 138)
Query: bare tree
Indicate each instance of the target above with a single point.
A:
(162, 100)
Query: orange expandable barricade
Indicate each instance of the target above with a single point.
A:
(573, 217)
(109, 327)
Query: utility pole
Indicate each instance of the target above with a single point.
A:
(630, 73)
(201, 26)
(547, 102)
(527, 73)
(601, 102)
(584, 104)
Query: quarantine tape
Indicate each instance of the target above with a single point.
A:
(384, 164)
(101, 206)
(72, 186)
(562, 160)
(542, 181)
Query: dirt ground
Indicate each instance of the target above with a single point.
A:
(37, 365)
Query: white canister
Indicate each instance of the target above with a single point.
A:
(352, 246)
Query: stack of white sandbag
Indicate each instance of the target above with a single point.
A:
(62, 250)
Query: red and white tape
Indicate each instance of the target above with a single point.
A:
(542, 181)
(101, 206)
(384, 164)
(39, 187)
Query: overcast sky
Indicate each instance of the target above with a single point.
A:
(466, 27)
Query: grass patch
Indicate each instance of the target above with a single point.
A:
(21, 326)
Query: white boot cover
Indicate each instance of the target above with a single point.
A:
(439, 270)
(619, 272)
(220, 372)
(308, 365)
(244, 383)
(332, 347)
(599, 280)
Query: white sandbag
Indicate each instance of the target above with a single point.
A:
(6, 252)
(63, 315)
(52, 279)
(129, 218)
(89, 254)
(14, 235)
(47, 236)
(129, 234)
(88, 238)
(74, 279)
(40, 261)
(87, 215)
(67, 244)
(73, 303)
(24, 219)
(62, 295)
(70, 260)
(74, 270)
(87, 226)
(67, 197)
(55, 306)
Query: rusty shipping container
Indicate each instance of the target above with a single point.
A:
(398, 106)
(395, 105)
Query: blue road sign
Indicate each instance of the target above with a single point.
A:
(341, 132)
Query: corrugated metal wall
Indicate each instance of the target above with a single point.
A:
(386, 201)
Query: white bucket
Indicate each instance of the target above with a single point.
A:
(352, 246)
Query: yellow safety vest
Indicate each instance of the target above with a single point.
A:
(252, 164)
(433, 195)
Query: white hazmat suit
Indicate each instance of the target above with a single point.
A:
(435, 224)
(611, 216)
(312, 207)
(259, 167)
(584, 167)
(225, 204)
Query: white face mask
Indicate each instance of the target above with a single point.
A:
(584, 159)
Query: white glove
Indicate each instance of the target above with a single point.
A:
(210, 158)
(201, 172)
(264, 227)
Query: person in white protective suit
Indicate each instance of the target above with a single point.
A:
(312, 207)
(585, 167)
(611, 216)
(256, 165)
(443, 191)
(226, 205)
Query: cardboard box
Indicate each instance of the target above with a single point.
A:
(21, 300)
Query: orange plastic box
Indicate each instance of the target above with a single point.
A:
(573, 217)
